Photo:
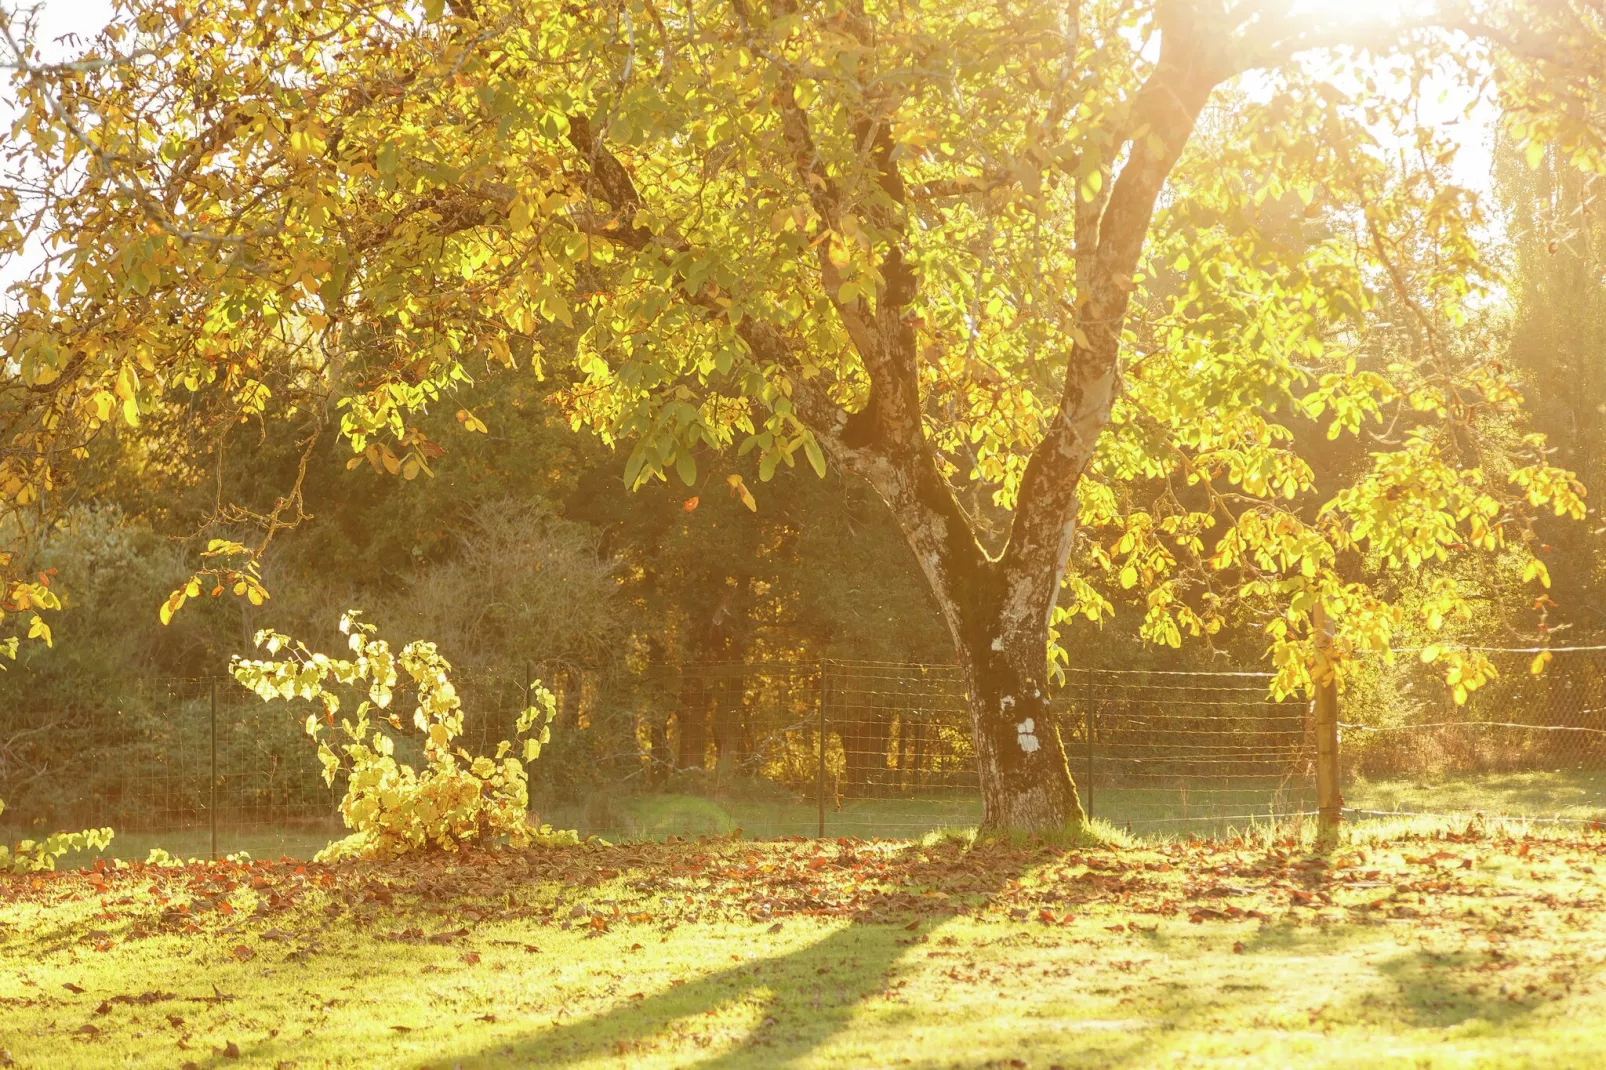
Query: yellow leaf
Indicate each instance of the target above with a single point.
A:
(171, 606)
(739, 488)
(1430, 653)
(1539, 662)
(1536, 570)
(40, 630)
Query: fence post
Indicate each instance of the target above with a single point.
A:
(820, 788)
(1329, 800)
(212, 798)
(1091, 698)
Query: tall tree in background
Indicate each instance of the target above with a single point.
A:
(1557, 229)
(971, 252)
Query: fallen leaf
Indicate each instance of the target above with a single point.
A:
(402, 1028)
(486, 1018)
(471, 957)
(231, 1050)
(242, 953)
(74, 989)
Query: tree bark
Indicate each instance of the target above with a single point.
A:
(692, 718)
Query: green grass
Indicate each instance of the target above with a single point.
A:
(1205, 810)
(299, 840)
(728, 954)
(1149, 812)
(1574, 794)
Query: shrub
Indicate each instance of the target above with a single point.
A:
(392, 809)
(33, 856)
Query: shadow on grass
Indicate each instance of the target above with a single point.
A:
(1414, 990)
(1430, 996)
(795, 1002)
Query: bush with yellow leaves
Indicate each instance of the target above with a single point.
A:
(392, 809)
(36, 856)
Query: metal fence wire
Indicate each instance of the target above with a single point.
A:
(834, 747)
(1405, 721)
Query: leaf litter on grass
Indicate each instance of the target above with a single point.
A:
(1490, 917)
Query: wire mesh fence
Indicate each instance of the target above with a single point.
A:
(1168, 748)
(1529, 741)
(836, 747)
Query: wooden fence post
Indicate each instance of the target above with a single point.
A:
(1090, 699)
(1329, 799)
(211, 803)
(819, 788)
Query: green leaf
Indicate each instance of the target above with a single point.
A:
(811, 449)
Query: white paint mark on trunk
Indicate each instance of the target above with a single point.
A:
(1026, 735)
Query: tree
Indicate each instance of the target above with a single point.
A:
(1011, 263)
(1558, 237)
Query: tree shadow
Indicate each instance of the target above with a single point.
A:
(1431, 997)
(1427, 994)
(798, 1000)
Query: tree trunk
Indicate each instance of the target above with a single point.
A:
(1026, 783)
(692, 717)
(658, 735)
(728, 691)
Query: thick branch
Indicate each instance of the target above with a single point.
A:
(1191, 64)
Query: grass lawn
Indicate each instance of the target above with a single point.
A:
(1149, 811)
(1411, 944)
(1154, 813)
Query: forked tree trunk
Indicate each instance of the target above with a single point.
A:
(997, 607)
